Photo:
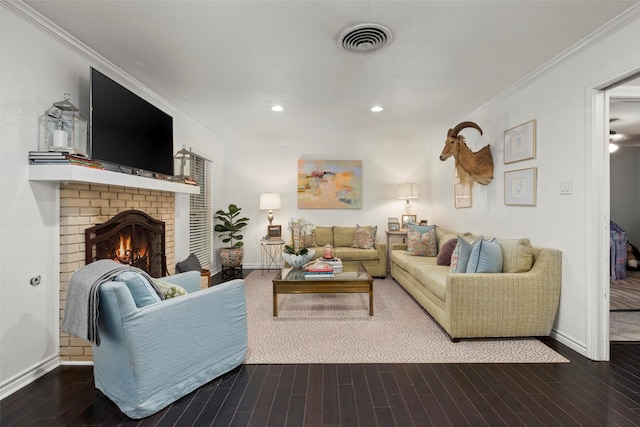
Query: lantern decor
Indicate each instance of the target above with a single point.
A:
(62, 129)
(182, 163)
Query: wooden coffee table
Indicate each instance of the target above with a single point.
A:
(352, 280)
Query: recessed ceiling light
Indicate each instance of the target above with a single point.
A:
(376, 109)
(277, 108)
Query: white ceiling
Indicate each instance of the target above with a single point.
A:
(225, 63)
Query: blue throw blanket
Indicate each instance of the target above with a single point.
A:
(81, 309)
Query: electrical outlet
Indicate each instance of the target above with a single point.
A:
(565, 186)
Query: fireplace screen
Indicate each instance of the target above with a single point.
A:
(132, 238)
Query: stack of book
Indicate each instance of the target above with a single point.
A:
(336, 263)
(190, 181)
(318, 270)
(61, 157)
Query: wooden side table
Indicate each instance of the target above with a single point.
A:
(402, 233)
(271, 254)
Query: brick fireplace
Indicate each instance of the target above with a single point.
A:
(84, 205)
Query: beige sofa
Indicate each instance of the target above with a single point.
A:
(341, 238)
(473, 305)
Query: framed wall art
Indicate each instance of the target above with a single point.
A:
(274, 232)
(520, 187)
(462, 195)
(406, 219)
(329, 184)
(520, 142)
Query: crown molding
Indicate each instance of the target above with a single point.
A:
(625, 18)
(39, 21)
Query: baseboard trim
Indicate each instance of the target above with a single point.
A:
(25, 378)
(76, 363)
(569, 342)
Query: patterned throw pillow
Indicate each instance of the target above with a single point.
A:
(169, 290)
(460, 256)
(421, 240)
(365, 237)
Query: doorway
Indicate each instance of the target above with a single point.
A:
(624, 206)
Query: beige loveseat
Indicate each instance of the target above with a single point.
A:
(341, 238)
(473, 305)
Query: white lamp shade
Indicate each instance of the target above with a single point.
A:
(270, 201)
(407, 191)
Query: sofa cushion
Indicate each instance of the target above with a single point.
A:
(445, 252)
(486, 257)
(169, 290)
(364, 237)
(424, 269)
(460, 256)
(323, 236)
(343, 236)
(141, 289)
(517, 255)
(421, 240)
(355, 254)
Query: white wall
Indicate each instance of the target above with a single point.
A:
(625, 191)
(558, 99)
(252, 169)
(36, 70)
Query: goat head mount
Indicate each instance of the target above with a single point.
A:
(471, 166)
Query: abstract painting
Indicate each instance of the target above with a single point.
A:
(329, 184)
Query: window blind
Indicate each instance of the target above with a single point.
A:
(200, 215)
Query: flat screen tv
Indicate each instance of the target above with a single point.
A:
(128, 131)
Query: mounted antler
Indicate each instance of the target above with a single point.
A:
(471, 166)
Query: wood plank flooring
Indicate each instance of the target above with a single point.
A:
(580, 393)
(625, 293)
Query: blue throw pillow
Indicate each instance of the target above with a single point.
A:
(141, 289)
(420, 228)
(460, 256)
(486, 257)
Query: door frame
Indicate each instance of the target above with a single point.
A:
(598, 213)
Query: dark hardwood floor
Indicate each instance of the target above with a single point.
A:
(579, 393)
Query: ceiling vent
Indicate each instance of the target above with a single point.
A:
(363, 38)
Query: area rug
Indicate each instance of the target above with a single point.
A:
(337, 328)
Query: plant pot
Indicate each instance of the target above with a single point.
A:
(298, 261)
(231, 257)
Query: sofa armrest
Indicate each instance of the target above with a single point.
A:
(189, 280)
(505, 304)
(398, 246)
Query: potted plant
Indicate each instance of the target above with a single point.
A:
(229, 228)
(298, 255)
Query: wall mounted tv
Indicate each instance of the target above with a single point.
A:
(128, 131)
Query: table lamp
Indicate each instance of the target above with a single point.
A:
(270, 201)
(407, 191)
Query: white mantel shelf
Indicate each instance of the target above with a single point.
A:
(72, 173)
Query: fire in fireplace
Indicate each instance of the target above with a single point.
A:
(131, 237)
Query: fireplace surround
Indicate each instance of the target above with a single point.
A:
(85, 205)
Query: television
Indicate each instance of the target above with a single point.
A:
(127, 131)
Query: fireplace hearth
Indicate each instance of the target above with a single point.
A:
(132, 237)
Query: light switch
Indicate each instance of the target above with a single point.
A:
(565, 187)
